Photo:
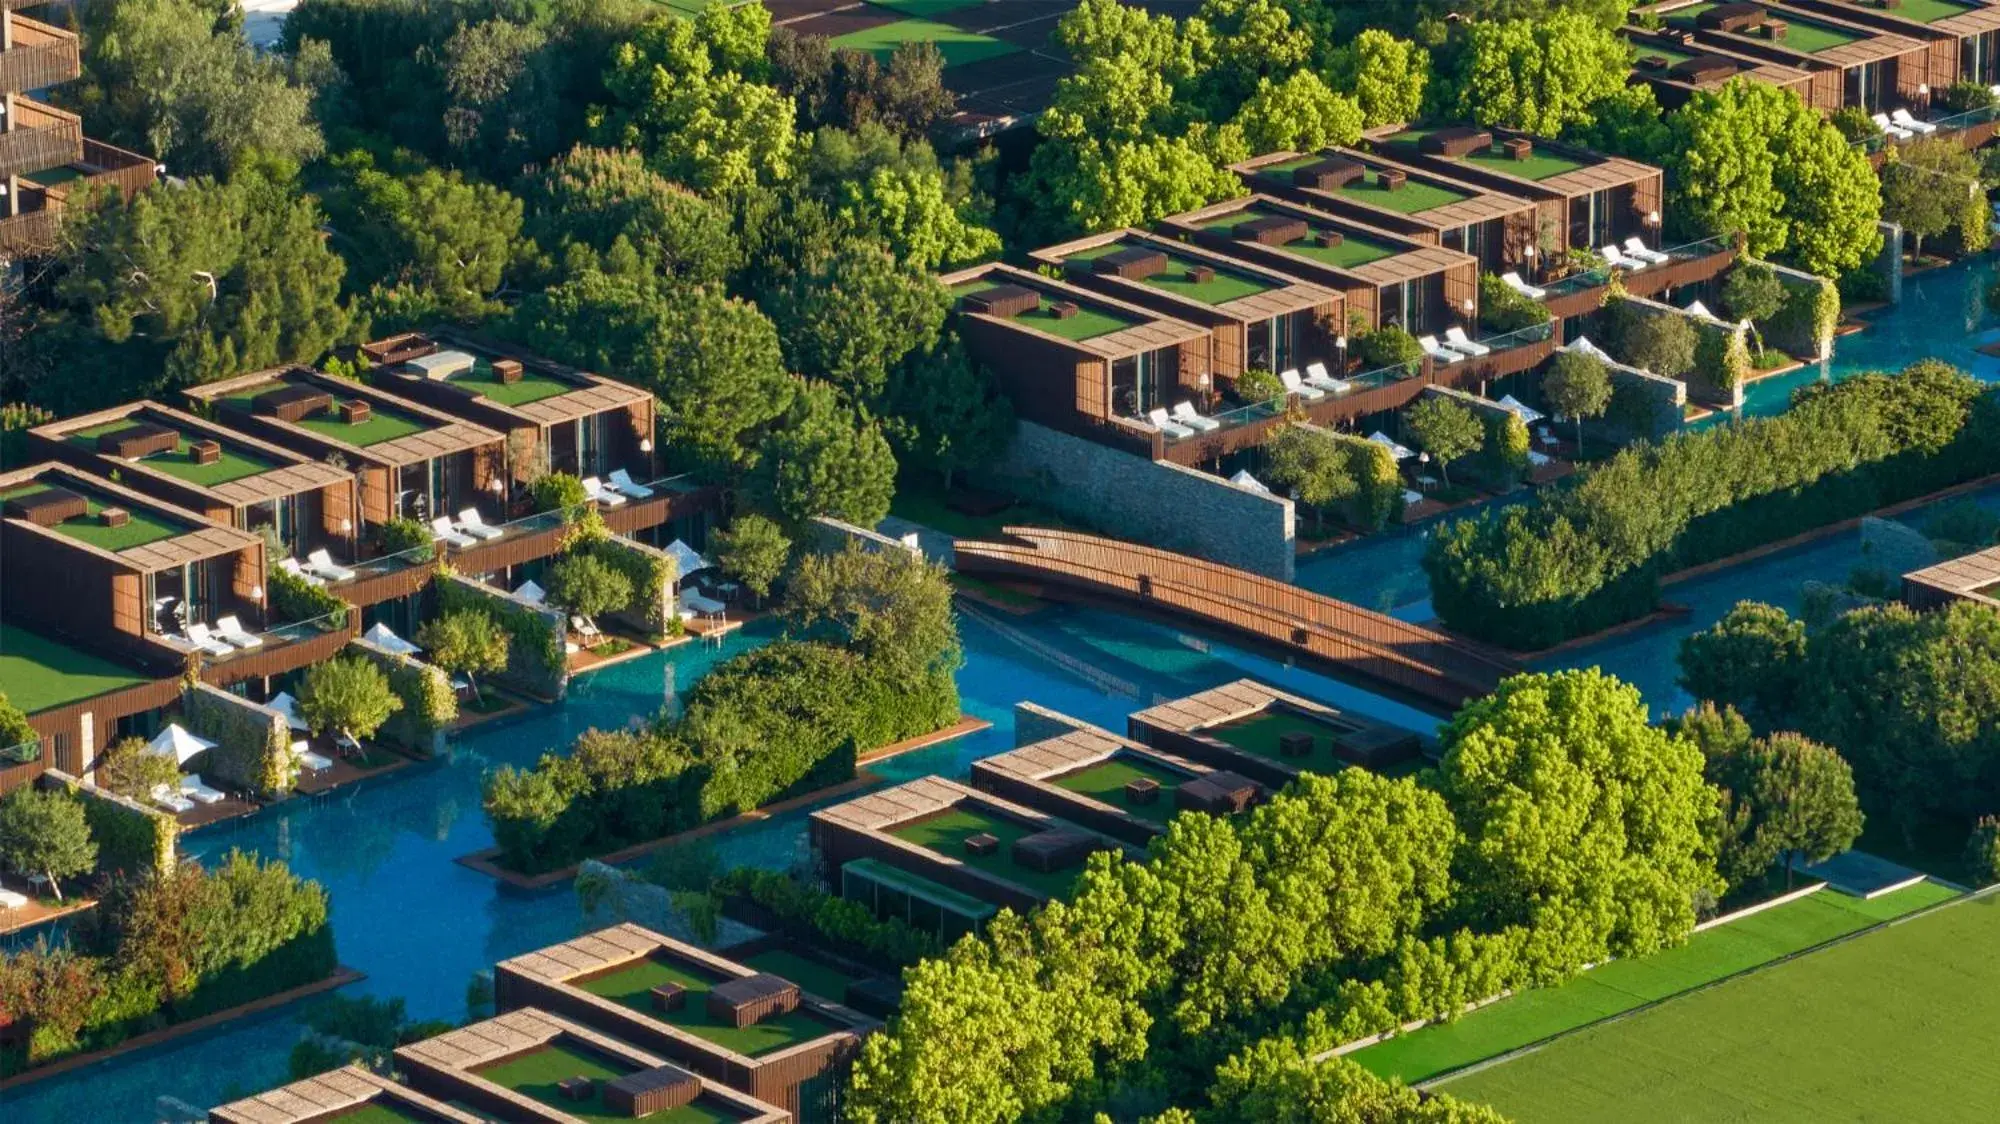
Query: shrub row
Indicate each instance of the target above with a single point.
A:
(1591, 556)
(815, 916)
(293, 600)
(536, 660)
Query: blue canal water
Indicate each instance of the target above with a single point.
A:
(419, 925)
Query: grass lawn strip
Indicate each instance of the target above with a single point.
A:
(811, 975)
(945, 833)
(1227, 284)
(957, 45)
(38, 673)
(1538, 166)
(1894, 1025)
(536, 1072)
(378, 1112)
(1106, 780)
(142, 528)
(923, 9)
(533, 386)
(382, 425)
(1625, 984)
(632, 985)
(1413, 197)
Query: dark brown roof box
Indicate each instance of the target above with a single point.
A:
(1002, 300)
(1270, 230)
(141, 440)
(290, 403)
(399, 349)
(48, 507)
(651, 1090)
(1131, 263)
(1329, 174)
(1652, 62)
(1219, 794)
(748, 1000)
(1732, 17)
(1456, 140)
(1058, 848)
(1705, 68)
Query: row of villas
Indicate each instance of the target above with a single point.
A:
(1103, 337)
(140, 528)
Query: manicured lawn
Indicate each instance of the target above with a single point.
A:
(1087, 324)
(140, 529)
(811, 975)
(1625, 984)
(1812, 38)
(1259, 733)
(946, 832)
(1539, 166)
(1922, 11)
(537, 1072)
(532, 387)
(233, 464)
(1353, 250)
(958, 46)
(38, 673)
(382, 425)
(921, 9)
(633, 987)
(1227, 285)
(1412, 197)
(379, 1112)
(1107, 779)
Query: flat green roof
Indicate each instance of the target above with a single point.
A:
(1541, 165)
(142, 528)
(381, 1110)
(1089, 322)
(39, 673)
(1918, 11)
(945, 833)
(532, 387)
(383, 424)
(1413, 197)
(823, 980)
(535, 1073)
(1673, 55)
(1354, 250)
(1106, 780)
(1801, 35)
(1224, 286)
(632, 985)
(234, 464)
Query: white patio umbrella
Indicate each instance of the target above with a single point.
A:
(531, 593)
(1243, 479)
(178, 744)
(1700, 309)
(1400, 452)
(1583, 346)
(285, 704)
(686, 558)
(382, 637)
(1520, 409)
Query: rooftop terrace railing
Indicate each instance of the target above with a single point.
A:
(1955, 123)
(1258, 412)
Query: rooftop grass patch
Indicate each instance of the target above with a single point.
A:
(234, 464)
(956, 44)
(40, 673)
(533, 386)
(382, 425)
(1105, 782)
(946, 833)
(1088, 323)
(1812, 38)
(923, 9)
(1258, 733)
(142, 528)
(1354, 250)
(1922, 11)
(813, 977)
(535, 1073)
(1224, 286)
(1622, 985)
(1414, 197)
(380, 1111)
(1539, 166)
(632, 985)
(1896, 1025)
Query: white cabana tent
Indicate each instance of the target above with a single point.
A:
(531, 593)
(1700, 309)
(285, 704)
(1244, 480)
(178, 744)
(382, 637)
(687, 560)
(1528, 414)
(1400, 452)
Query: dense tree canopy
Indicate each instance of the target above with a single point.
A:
(1539, 74)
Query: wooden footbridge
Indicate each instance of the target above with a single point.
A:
(1416, 662)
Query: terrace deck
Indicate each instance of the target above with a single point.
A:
(38, 672)
(632, 984)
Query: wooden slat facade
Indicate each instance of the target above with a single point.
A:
(41, 56)
(40, 136)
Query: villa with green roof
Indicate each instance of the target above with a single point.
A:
(350, 1095)
(1676, 67)
(1424, 206)
(228, 476)
(1271, 736)
(731, 1023)
(1850, 64)
(530, 1066)
(970, 842)
(1964, 35)
(1258, 318)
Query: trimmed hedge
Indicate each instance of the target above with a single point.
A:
(295, 600)
(1806, 324)
(1589, 557)
(429, 705)
(253, 744)
(814, 916)
(536, 660)
(131, 837)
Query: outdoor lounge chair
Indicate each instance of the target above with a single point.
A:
(1457, 340)
(1537, 460)
(308, 760)
(196, 789)
(1185, 414)
(230, 631)
(470, 523)
(1316, 375)
(586, 629)
(621, 481)
(1173, 429)
(321, 563)
(595, 489)
(1637, 248)
(1617, 257)
(199, 636)
(1410, 499)
(1513, 281)
(442, 531)
(12, 899)
(1438, 351)
(292, 567)
(692, 601)
(172, 801)
(1890, 128)
(1295, 385)
(1902, 117)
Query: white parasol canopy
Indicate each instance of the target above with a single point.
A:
(1400, 452)
(1243, 479)
(382, 637)
(686, 559)
(285, 704)
(532, 593)
(1520, 409)
(178, 744)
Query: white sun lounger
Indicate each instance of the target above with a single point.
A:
(199, 636)
(1617, 257)
(1538, 460)
(1513, 281)
(1457, 340)
(1438, 351)
(1292, 383)
(1883, 123)
(307, 759)
(621, 481)
(1185, 414)
(292, 567)
(470, 523)
(1411, 498)
(1157, 417)
(12, 899)
(196, 789)
(694, 602)
(320, 562)
(442, 531)
(585, 629)
(166, 797)
(229, 630)
(1635, 247)
(1316, 375)
(1902, 117)
(595, 489)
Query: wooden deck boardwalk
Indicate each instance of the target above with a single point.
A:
(1416, 662)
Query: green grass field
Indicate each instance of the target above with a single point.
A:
(38, 673)
(1895, 1025)
(1538, 166)
(958, 46)
(633, 986)
(382, 425)
(1625, 984)
(946, 832)
(1106, 780)
(1226, 285)
(1411, 198)
(811, 975)
(142, 528)
(923, 9)
(533, 386)
(537, 1072)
